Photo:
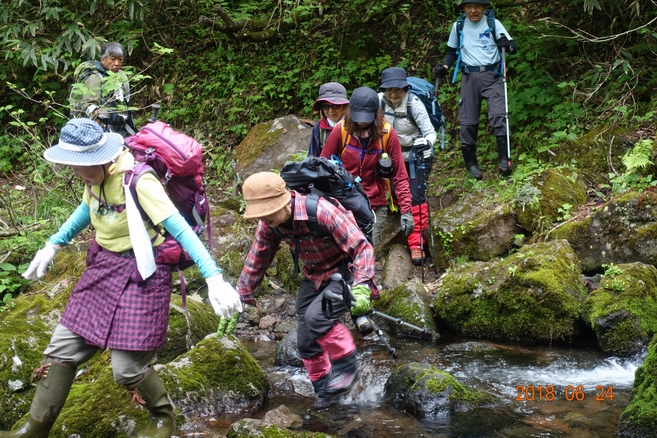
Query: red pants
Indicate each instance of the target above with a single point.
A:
(420, 225)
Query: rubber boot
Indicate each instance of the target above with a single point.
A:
(318, 368)
(343, 375)
(470, 158)
(49, 398)
(150, 392)
(502, 151)
(364, 325)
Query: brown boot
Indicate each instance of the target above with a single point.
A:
(49, 398)
(150, 392)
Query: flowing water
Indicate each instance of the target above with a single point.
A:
(545, 391)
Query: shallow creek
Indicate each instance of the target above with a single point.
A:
(564, 410)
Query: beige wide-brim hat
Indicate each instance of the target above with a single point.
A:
(264, 193)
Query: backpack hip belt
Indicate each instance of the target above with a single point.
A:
(465, 68)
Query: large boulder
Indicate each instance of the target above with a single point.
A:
(217, 377)
(409, 302)
(535, 294)
(639, 420)
(545, 193)
(478, 227)
(397, 267)
(25, 332)
(424, 391)
(271, 144)
(623, 309)
(624, 230)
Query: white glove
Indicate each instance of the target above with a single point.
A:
(224, 299)
(421, 143)
(42, 259)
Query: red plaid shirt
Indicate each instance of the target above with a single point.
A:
(321, 257)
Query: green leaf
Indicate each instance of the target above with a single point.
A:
(7, 267)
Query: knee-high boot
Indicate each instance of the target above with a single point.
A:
(341, 349)
(150, 392)
(49, 398)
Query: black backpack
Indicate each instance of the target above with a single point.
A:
(317, 177)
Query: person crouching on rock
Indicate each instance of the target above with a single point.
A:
(326, 346)
(121, 301)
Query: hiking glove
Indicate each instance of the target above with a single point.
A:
(226, 326)
(441, 71)
(423, 145)
(225, 301)
(42, 259)
(362, 294)
(407, 223)
(503, 41)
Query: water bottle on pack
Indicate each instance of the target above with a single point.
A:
(384, 166)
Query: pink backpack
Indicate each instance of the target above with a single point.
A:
(176, 159)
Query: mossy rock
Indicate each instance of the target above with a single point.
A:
(271, 144)
(285, 270)
(232, 238)
(25, 331)
(591, 151)
(409, 302)
(639, 419)
(622, 231)
(623, 309)
(478, 227)
(397, 267)
(217, 377)
(535, 294)
(557, 187)
(427, 392)
(186, 328)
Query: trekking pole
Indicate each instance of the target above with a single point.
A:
(419, 186)
(430, 226)
(398, 321)
(378, 331)
(506, 107)
(156, 108)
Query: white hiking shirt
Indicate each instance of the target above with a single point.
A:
(404, 127)
(479, 48)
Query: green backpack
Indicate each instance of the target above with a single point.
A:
(81, 73)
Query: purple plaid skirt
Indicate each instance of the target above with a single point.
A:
(112, 307)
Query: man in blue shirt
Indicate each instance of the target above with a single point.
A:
(481, 65)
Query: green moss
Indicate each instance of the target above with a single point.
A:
(640, 417)
(258, 138)
(408, 302)
(285, 269)
(271, 432)
(535, 294)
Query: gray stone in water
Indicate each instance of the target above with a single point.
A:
(287, 351)
(397, 267)
(282, 417)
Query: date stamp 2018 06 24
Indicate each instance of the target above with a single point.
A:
(571, 393)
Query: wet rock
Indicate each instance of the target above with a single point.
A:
(478, 227)
(292, 311)
(279, 304)
(186, 328)
(282, 417)
(267, 322)
(535, 294)
(255, 313)
(592, 283)
(271, 144)
(639, 418)
(231, 238)
(287, 351)
(622, 231)
(545, 193)
(397, 267)
(285, 327)
(427, 392)
(410, 302)
(623, 309)
(217, 377)
(471, 347)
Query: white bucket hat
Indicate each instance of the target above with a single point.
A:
(82, 142)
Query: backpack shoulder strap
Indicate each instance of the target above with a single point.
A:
(409, 106)
(385, 137)
(490, 16)
(344, 135)
(134, 173)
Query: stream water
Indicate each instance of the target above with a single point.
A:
(565, 392)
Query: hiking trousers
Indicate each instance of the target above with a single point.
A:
(71, 349)
(475, 87)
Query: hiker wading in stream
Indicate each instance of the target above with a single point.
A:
(121, 301)
(479, 40)
(326, 346)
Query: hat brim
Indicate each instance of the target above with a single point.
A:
(395, 83)
(103, 155)
(363, 116)
(265, 207)
(334, 100)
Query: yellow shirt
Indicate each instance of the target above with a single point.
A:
(112, 227)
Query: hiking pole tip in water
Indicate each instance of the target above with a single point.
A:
(379, 332)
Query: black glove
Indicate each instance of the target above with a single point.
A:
(441, 71)
(503, 41)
